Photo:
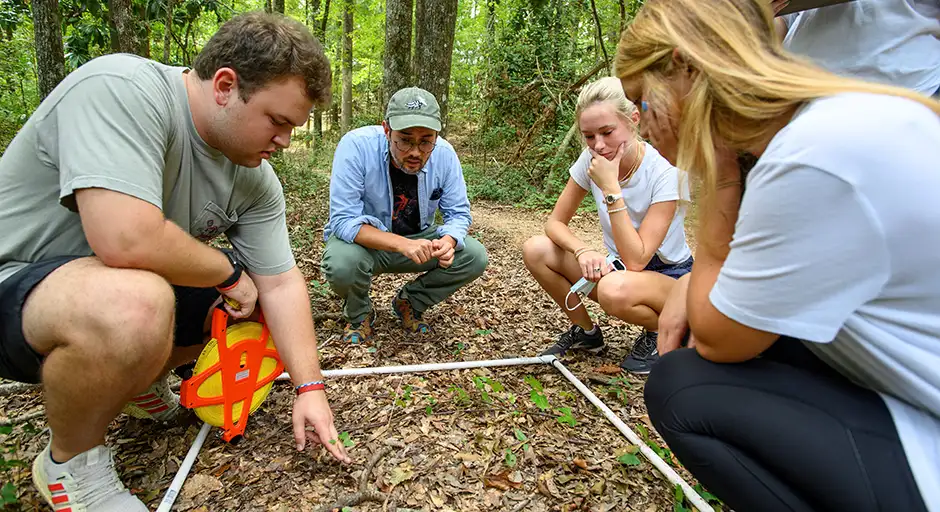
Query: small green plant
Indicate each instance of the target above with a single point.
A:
(461, 346)
(510, 458)
(618, 387)
(8, 491)
(535, 394)
(663, 453)
(429, 408)
(708, 497)
(405, 397)
(566, 417)
(483, 332)
(629, 458)
(679, 504)
(347, 441)
(460, 396)
(320, 289)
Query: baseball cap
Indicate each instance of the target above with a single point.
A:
(411, 107)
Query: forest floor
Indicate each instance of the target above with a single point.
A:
(468, 440)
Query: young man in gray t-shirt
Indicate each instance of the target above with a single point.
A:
(107, 197)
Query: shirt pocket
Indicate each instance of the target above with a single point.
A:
(212, 222)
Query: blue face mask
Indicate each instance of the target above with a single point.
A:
(583, 287)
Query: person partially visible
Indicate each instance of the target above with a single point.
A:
(814, 300)
(894, 42)
(387, 185)
(108, 197)
(639, 197)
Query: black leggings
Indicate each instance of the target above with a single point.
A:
(781, 432)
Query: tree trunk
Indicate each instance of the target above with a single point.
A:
(623, 19)
(278, 6)
(436, 21)
(267, 6)
(347, 64)
(123, 37)
(600, 33)
(168, 31)
(397, 65)
(50, 57)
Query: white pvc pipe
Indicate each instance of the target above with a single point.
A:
(650, 455)
(167, 504)
(430, 367)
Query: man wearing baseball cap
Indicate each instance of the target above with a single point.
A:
(388, 183)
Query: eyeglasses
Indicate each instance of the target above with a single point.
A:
(405, 146)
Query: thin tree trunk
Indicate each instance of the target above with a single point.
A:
(600, 33)
(123, 38)
(347, 64)
(278, 6)
(50, 57)
(168, 31)
(321, 34)
(623, 18)
(434, 46)
(267, 6)
(337, 74)
(397, 63)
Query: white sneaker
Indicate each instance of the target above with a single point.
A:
(86, 483)
(157, 403)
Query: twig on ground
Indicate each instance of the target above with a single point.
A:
(326, 316)
(364, 493)
(521, 505)
(23, 418)
(17, 387)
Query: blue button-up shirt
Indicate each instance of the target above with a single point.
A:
(361, 188)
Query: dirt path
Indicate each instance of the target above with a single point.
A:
(502, 439)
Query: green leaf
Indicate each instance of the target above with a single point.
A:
(8, 494)
(520, 435)
(679, 504)
(539, 400)
(6, 430)
(629, 459)
(645, 434)
(347, 441)
(484, 332)
(510, 458)
(496, 386)
(566, 417)
(533, 383)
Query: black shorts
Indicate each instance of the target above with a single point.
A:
(18, 360)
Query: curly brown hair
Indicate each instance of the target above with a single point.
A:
(262, 48)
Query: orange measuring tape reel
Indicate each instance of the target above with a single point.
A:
(233, 374)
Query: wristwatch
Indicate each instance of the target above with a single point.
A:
(237, 269)
(612, 198)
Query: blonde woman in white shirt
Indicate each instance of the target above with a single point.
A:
(639, 197)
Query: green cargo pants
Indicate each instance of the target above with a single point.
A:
(349, 269)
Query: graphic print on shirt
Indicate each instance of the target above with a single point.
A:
(406, 218)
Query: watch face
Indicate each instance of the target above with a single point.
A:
(610, 198)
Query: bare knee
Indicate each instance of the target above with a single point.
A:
(137, 316)
(617, 291)
(536, 249)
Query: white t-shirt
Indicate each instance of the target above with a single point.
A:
(838, 243)
(889, 41)
(656, 181)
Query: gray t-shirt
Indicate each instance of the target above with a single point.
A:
(838, 243)
(123, 123)
(895, 42)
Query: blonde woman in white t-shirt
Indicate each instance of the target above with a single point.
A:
(639, 197)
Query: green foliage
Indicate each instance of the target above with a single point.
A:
(566, 417)
(510, 458)
(346, 440)
(629, 458)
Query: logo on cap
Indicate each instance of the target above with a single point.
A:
(416, 104)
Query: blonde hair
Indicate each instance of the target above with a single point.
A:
(607, 90)
(746, 82)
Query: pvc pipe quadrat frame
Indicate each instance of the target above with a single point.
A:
(700, 504)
